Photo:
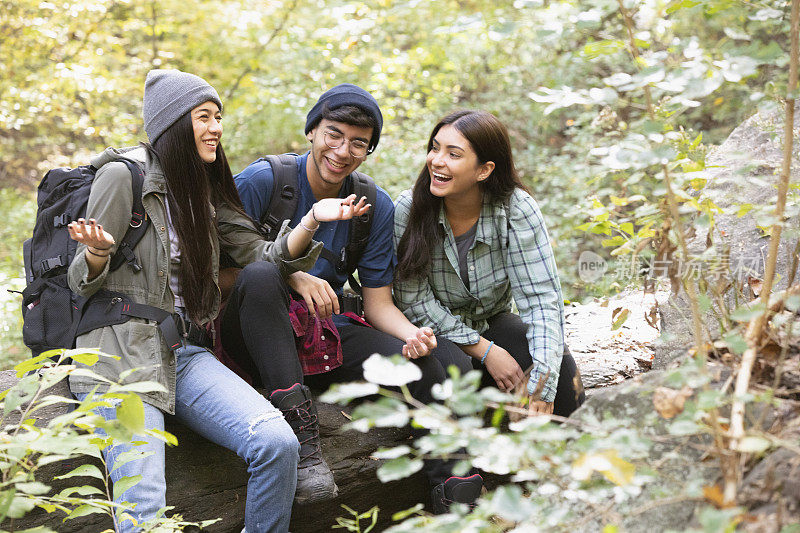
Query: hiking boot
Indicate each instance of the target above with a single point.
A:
(456, 490)
(314, 478)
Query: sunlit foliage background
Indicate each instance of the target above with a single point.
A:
(558, 73)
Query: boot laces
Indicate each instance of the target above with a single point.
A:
(308, 419)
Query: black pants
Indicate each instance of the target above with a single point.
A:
(508, 331)
(257, 334)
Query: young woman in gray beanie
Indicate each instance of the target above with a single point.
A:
(195, 213)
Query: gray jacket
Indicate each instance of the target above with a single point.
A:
(138, 342)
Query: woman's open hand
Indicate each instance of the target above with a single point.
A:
(339, 208)
(91, 234)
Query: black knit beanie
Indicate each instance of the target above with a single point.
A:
(347, 94)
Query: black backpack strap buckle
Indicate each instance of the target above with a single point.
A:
(173, 328)
(61, 220)
(287, 192)
(341, 264)
(130, 257)
(52, 262)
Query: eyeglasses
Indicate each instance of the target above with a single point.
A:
(335, 139)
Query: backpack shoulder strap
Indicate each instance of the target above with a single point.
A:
(285, 195)
(138, 225)
(360, 227)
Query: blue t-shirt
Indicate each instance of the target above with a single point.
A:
(376, 267)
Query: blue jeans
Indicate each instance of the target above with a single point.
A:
(217, 404)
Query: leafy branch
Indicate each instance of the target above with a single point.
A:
(260, 50)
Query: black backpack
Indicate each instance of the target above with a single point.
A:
(51, 312)
(283, 204)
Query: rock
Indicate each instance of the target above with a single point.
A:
(745, 169)
(681, 465)
(606, 355)
(773, 484)
(206, 481)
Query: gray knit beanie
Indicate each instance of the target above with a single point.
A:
(170, 94)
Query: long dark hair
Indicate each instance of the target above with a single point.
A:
(488, 137)
(191, 185)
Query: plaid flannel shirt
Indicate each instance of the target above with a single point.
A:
(511, 257)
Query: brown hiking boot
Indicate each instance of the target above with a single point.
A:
(314, 478)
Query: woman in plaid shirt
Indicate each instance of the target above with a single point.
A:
(470, 238)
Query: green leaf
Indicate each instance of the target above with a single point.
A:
(698, 183)
(84, 510)
(603, 228)
(704, 301)
(32, 487)
(22, 392)
(616, 200)
(719, 520)
(402, 515)
(130, 412)
(509, 503)
(6, 497)
(35, 363)
(497, 416)
(620, 320)
(748, 312)
(83, 490)
(391, 453)
(130, 455)
(123, 484)
(615, 241)
(86, 358)
(20, 506)
(399, 468)
(83, 470)
(735, 342)
(602, 48)
(683, 427)
(743, 210)
(682, 4)
(344, 393)
(166, 436)
(390, 371)
(793, 302)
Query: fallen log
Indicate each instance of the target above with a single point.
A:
(206, 481)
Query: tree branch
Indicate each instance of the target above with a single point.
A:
(250, 69)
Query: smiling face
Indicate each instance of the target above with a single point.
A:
(207, 126)
(328, 167)
(454, 167)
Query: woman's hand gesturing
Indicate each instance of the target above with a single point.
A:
(92, 235)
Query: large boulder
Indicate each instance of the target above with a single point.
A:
(681, 464)
(206, 481)
(743, 170)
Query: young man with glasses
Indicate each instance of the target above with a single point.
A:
(260, 321)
